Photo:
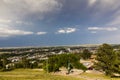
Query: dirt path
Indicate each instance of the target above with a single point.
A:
(76, 73)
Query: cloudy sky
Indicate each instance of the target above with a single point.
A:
(59, 22)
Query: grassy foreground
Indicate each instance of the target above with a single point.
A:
(94, 76)
(29, 74)
(36, 74)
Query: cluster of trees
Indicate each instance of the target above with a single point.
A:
(55, 62)
(7, 55)
(26, 63)
(6, 65)
(108, 60)
(3, 63)
(86, 54)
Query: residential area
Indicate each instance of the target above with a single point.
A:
(80, 57)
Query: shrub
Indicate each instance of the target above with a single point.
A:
(55, 62)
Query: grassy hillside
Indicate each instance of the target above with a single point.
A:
(29, 74)
(32, 74)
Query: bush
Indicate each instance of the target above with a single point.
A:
(80, 66)
(55, 62)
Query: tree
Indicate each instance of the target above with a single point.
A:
(117, 63)
(25, 62)
(86, 54)
(107, 59)
(4, 62)
(51, 64)
(1, 65)
(55, 62)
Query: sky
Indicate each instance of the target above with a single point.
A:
(59, 22)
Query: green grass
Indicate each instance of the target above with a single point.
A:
(29, 74)
(32, 74)
(98, 76)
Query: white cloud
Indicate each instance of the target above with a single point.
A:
(23, 22)
(61, 31)
(115, 21)
(5, 21)
(7, 32)
(102, 8)
(17, 12)
(102, 28)
(4, 25)
(114, 3)
(105, 3)
(70, 30)
(91, 2)
(41, 33)
(19, 22)
(66, 30)
(16, 9)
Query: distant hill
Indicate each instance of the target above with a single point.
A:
(81, 45)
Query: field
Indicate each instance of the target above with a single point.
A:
(35, 74)
(29, 74)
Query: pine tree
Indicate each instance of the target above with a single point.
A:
(107, 60)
